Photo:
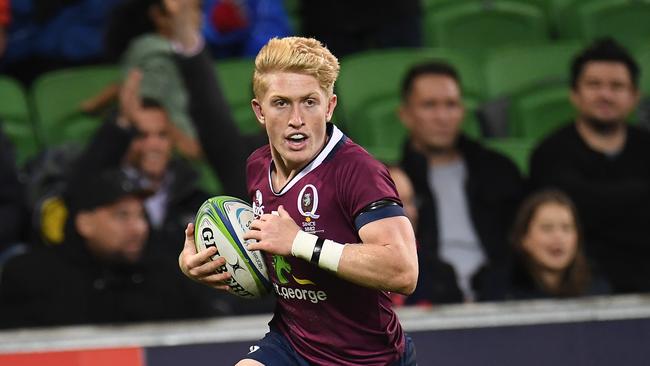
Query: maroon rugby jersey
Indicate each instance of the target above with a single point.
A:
(329, 321)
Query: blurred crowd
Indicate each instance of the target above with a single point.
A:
(91, 233)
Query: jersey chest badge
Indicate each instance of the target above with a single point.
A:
(307, 206)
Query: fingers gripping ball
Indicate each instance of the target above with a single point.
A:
(221, 222)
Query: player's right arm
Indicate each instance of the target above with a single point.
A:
(198, 266)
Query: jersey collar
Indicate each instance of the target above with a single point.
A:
(335, 137)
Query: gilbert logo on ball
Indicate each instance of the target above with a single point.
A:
(221, 222)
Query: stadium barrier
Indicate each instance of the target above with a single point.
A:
(612, 330)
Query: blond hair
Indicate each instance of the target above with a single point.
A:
(295, 54)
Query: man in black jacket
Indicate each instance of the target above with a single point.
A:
(603, 164)
(101, 273)
(466, 193)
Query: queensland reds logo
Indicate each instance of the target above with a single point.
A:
(308, 201)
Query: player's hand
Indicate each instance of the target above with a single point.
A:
(274, 233)
(198, 266)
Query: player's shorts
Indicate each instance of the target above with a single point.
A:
(275, 350)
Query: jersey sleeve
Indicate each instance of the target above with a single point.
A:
(362, 182)
(256, 169)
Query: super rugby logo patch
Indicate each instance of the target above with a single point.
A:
(258, 208)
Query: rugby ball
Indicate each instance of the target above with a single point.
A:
(221, 222)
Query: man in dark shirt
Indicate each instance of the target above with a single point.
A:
(467, 194)
(603, 163)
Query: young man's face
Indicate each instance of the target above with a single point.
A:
(294, 110)
(433, 112)
(604, 93)
(151, 150)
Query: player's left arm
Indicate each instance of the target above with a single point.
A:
(386, 259)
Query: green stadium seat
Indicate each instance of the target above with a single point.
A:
(57, 97)
(547, 6)
(513, 69)
(15, 119)
(558, 6)
(518, 150)
(236, 77)
(485, 24)
(536, 113)
(369, 93)
(625, 20)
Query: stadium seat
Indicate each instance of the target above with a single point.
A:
(15, 119)
(513, 69)
(369, 93)
(536, 113)
(485, 24)
(57, 96)
(625, 20)
(547, 6)
(236, 77)
(518, 150)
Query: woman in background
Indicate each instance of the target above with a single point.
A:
(548, 246)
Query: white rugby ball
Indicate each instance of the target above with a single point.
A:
(221, 222)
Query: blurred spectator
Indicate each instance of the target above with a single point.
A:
(603, 163)
(549, 258)
(48, 34)
(101, 274)
(239, 28)
(346, 26)
(138, 141)
(146, 44)
(142, 133)
(225, 149)
(232, 28)
(12, 209)
(467, 194)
